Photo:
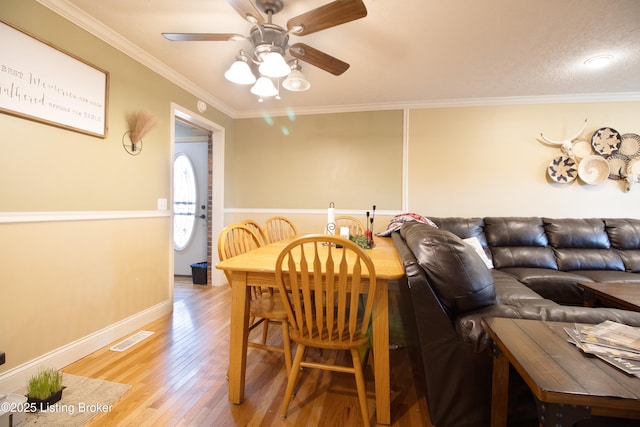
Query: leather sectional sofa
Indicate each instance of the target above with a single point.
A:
(536, 264)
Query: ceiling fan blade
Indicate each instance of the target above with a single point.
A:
(327, 16)
(318, 58)
(197, 37)
(247, 10)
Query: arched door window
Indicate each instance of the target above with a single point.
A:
(184, 201)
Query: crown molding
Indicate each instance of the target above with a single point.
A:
(455, 103)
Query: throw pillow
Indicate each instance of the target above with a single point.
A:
(477, 246)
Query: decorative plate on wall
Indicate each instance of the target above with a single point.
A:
(630, 145)
(593, 170)
(617, 163)
(562, 169)
(634, 166)
(582, 149)
(606, 141)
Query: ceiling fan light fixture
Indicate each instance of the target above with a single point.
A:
(240, 72)
(296, 81)
(264, 88)
(274, 65)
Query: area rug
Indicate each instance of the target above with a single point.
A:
(82, 399)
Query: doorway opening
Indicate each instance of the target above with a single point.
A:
(197, 192)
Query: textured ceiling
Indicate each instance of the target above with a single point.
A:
(403, 53)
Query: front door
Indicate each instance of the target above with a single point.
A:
(190, 171)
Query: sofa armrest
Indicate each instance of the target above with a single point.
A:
(433, 324)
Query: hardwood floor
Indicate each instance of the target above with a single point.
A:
(177, 376)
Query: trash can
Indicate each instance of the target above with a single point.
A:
(199, 273)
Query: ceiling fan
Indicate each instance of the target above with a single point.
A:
(267, 37)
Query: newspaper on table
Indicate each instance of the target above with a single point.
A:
(624, 336)
(613, 342)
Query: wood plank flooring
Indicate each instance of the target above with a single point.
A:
(177, 376)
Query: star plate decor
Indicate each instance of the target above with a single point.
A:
(562, 169)
(606, 141)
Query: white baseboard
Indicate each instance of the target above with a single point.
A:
(17, 377)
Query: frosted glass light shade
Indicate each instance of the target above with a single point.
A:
(296, 81)
(264, 87)
(240, 73)
(274, 65)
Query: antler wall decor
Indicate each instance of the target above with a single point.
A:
(566, 145)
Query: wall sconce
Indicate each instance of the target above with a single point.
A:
(140, 124)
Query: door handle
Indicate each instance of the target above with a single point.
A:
(203, 216)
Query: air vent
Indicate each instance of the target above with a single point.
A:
(131, 341)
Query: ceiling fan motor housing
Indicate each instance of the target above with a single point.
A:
(269, 38)
(270, 6)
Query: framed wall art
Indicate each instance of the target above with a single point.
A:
(41, 82)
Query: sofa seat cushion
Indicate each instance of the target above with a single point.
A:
(456, 272)
(610, 276)
(510, 291)
(556, 285)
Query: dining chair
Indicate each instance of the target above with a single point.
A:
(279, 228)
(328, 287)
(356, 228)
(265, 305)
(256, 228)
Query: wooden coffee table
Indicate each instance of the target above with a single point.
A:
(621, 295)
(567, 384)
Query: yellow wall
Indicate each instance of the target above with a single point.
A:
(103, 256)
(483, 161)
(308, 161)
(65, 280)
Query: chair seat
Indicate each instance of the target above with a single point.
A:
(333, 343)
(270, 306)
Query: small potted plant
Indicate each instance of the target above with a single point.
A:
(44, 389)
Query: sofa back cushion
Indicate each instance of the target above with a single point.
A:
(624, 235)
(456, 272)
(581, 244)
(518, 242)
(465, 228)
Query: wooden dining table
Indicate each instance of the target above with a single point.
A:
(257, 268)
